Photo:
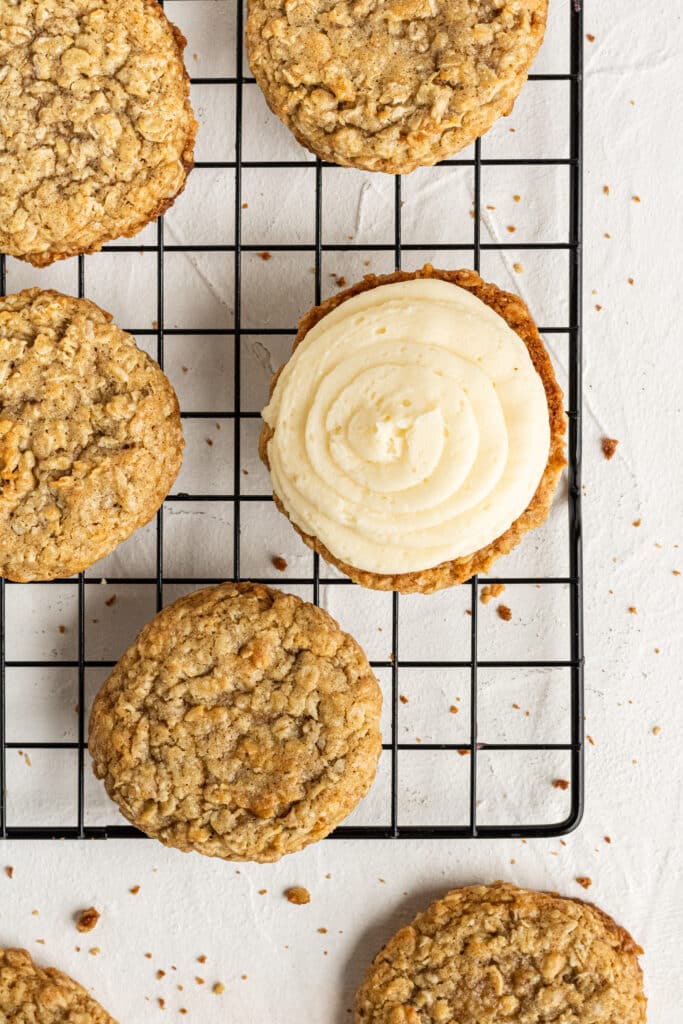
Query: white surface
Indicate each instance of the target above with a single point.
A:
(188, 906)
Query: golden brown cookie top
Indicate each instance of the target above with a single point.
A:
(390, 85)
(90, 435)
(97, 132)
(487, 954)
(34, 995)
(242, 723)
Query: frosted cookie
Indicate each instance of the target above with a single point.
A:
(90, 435)
(488, 954)
(96, 133)
(389, 85)
(417, 431)
(242, 723)
(34, 995)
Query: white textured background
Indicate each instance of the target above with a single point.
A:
(274, 962)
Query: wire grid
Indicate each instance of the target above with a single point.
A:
(574, 664)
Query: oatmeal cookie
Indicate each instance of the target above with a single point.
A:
(516, 315)
(390, 85)
(487, 954)
(242, 724)
(96, 128)
(90, 435)
(34, 995)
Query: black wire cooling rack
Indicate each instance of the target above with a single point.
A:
(467, 741)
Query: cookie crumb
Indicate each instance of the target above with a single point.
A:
(609, 446)
(605, 190)
(279, 562)
(590, 740)
(504, 612)
(631, 280)
(9, 871)
(148, 956)
(490, 591)
(161, 1002)
(403, 700)
(160, 974)
(265, 256)
(516, 198)
(87, 919)
(95, 951)
(245, 206)
(608, 839)
(110, 601)
(201, 959)
(463, 752)
(209, 442)
(632, 610)
(636, 522)
(135, 890)
(453, 710)
(560, 783)
(656, 730)
(636, 199)
(590, 37)
(322, 931)
(262, 892)
(62, 629)
(584, 881)
(298, 895)
(218, 988)
(511, 228)
(518, 268)
(200, 981)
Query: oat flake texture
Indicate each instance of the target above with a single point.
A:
(242, 723)
(96, 129)
(389, 85)
(32, 995)
(494, 954)
(90, 435)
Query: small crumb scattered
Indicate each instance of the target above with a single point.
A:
(598, 307)
(245, 206)
(110, 601)
(209, 442)
(161, 1002)
(201, 959)
(516, 707)
(160, 974)
(511, 228)
(605, 190)
(95, 951)
(609, 447)
(633, 610)
(490, 591)
(62, 629)
(339, 280)
(298, 895)
(265, 256)
(262, 892)
(9, 871)
(631, 280)
(218, 988)
(463, 752)
(590, 37)
(322, 931)
(184, 369)
(607, 234)
(584, 881)
(656, 730)
(453, 710)
(518, 268)
(135, 890)
(148, 956)
(516, 198)
(608, 839)
(637, 522)
(489, 206)
(561, 783)
(279, 562)
(403, 700)
(87, 919)
(200, 981)
(675, 572)
(504, 612)
(636, 199)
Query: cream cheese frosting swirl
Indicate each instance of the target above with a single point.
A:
(409, 428)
